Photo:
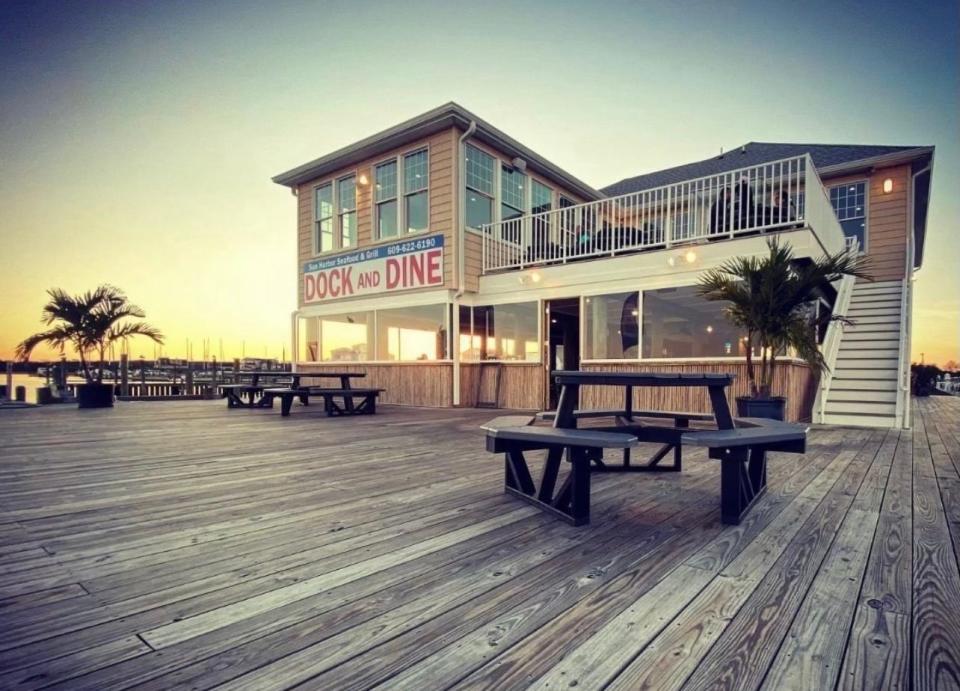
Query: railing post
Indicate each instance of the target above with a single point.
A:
(668, 219)
(124, 374)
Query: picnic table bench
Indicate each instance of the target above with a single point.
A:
(740, 445)
(343, 400)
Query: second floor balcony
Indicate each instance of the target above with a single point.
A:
(781, 195)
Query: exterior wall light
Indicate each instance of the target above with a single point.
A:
(887, 186)
(690, 256)
(363, 180)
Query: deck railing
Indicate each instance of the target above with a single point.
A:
(830, 348)
(774, 196)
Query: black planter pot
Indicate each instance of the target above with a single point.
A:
(773, 408)
(95, 395)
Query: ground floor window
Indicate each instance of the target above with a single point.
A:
(612, 326)
(412, 333)
(308, 340)
(679, 323)
(500, 332)
(346, 337)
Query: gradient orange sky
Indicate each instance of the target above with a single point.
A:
(137, 139)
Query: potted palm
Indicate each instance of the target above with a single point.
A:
(773, 300)
(90, 323)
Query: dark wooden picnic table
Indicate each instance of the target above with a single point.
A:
(251, 394)
(740, 445)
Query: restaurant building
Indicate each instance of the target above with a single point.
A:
(456, 267)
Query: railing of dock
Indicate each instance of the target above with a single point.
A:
(775, 196)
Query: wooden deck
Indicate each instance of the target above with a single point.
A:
(164, 545)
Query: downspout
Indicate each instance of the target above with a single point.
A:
(461, 254)
(906, 318)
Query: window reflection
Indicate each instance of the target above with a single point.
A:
(678, 323)
(412, 333)
(500, 332)
(612, 326)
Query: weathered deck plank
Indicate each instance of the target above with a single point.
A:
(181, 544)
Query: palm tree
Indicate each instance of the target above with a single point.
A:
(90, 323)
(772, 299)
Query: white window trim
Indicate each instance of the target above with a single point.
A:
(866, 207)
(401, 195)
(337, 230)
(494, 207)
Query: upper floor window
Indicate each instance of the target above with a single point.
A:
(347, 190)
(513, 186)
(541, 198)
(401, 196)
(415, 184)
(849, 201)
(385, 199)
(480, 168)
(323, 212)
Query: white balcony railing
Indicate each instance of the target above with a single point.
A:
(774, 196)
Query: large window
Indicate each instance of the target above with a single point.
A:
(412, 333)
(679, 323)
(612, 325)
(850, 204)
(385, 197)
(347, 198)
(479, 187)
(500, 332)
(346, 337)
(415, 183)
(323, 212)
(308, 339)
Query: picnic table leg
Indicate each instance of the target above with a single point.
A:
(580, 486)
(721, 409)
(286, 402)
(347, 399)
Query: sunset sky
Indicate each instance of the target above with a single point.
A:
(137, 139)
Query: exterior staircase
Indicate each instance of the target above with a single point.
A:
(864, 388)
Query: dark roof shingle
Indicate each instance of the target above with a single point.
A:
(753, 153)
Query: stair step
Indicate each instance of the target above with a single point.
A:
(851, 384)
(866, 363)
(858, 396)
(860, 420)
(877, 292)
(875, 303)
(888, 336)
(865, 373)
(862, 407)
(874, 320)
(859, 350)
(875, 285)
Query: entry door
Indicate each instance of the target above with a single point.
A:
(562, 326)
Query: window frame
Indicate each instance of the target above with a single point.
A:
(334, 182)
(866, 208)
(317, 219)
(493, 195)
(401, 195)
(395, 198)
(404, 227)
(341, 213)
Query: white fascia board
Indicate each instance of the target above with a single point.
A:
(638, 271)
(381, 302)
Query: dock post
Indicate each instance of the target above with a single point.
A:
(189, 390)
(124, 374)
(236, 370)
(9, 391)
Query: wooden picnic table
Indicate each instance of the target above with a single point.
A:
(740, 445)
(251, 394)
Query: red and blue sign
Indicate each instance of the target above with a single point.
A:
(381, 269)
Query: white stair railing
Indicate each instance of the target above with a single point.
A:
(830, 347)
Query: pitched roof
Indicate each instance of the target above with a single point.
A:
(447, 115)
(754, 153)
